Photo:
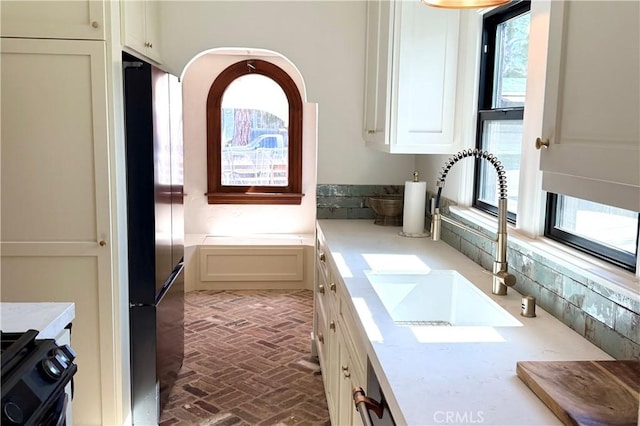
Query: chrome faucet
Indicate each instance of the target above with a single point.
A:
(501, 277)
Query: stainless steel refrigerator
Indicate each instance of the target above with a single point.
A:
(155, 224)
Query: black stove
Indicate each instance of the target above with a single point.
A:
(34, 375)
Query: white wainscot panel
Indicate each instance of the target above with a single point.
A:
(251, 264)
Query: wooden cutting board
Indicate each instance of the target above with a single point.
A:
(586, 392)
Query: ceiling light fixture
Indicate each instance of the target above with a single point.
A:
(464, 4)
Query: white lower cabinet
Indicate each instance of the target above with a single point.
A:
(339, 350)
(350, 375)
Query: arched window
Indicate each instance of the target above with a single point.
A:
(254, 136)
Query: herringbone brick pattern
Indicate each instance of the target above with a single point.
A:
(247, 361)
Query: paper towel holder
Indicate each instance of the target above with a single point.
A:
(404, 233)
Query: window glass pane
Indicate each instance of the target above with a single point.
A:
(609, 226)
(255, 121)
(510, 70)
(502, 138)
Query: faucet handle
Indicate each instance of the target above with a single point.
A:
(505, 278)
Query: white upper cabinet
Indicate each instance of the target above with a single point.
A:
(377, 71)
(140, 27)
(410, 81)
(74, 19)
(591, 100)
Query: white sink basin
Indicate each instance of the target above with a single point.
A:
(437, 298)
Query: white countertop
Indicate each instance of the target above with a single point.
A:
(427, 378)
(48, 318)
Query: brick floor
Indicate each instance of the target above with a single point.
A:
(247, 361)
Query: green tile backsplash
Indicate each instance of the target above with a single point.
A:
(349, 201)
(609, 319)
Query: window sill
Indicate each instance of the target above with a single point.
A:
(602, 273)
(272, 198)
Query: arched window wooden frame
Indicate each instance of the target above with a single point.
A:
(226, 194)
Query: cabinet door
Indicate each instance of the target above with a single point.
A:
(591, 103)
(343, 375)
(133, 26)
(323, 310)
(377, 71)
(349, 377)
(332, 377)
(140, 27)
(151, 21)
(424, 73)
(72, 19)
(410, 77)
(55, 203)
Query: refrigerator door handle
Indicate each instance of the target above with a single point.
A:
(167, 285)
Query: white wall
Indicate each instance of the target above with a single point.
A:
(325, 40)
(236, 219)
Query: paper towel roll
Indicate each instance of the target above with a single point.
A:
(415, 194)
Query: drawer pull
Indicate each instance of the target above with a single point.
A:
(332, 325)
(321, 338)
(321, 288)
(322, 257)
(332, 287)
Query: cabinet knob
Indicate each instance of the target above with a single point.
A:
(102, 243)
(151, 45)
(332, 287)
(345, 372)
(542, 143)
(95, 24)
(321, 338)
(322, 257)
(321, 288)
(332, 325)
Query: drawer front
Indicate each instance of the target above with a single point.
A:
(352, 340)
